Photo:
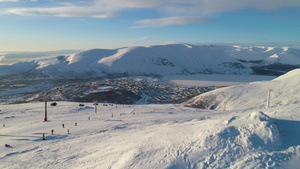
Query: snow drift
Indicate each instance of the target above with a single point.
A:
(246, 134)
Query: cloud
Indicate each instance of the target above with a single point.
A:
(9, 0)
(110, 8)
(176, 20)
(199, 6)
(68, 11)
(145, 38)
(179, 12)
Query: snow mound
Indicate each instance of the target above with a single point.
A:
(253, 130)
(248, 134)
(262, 130)
(258, 116)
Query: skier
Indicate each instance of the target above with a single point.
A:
(52, 131)
(43, 136)
(8, 146)
(63, 125)
(76, 124)
(89, 118)
(68, 131)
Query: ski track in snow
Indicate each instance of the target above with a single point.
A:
(154, 136)
(244, 135)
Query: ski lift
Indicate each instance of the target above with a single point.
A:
(53, 104)
(95, 103)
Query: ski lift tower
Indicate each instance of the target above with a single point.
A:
(96, 104)
(45, 119)
(268, 98)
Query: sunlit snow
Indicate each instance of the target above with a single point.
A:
(159, 136)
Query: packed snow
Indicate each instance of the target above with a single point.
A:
(244, 135)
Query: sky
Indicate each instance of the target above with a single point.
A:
(44, 25)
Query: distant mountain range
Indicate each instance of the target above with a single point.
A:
(163, 60)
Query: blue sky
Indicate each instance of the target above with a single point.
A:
(41, 25)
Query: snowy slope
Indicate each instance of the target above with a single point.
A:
(148, 136)
(21, 67)
(81, 62)
(284, 90)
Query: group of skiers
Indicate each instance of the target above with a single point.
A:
(52, 131)
(43, 136)
(63, 126)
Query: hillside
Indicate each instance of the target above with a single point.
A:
(284, 90)
(159, 136)
(163, 60)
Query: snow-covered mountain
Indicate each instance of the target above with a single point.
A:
(161, 60)
(284, 90)
(267, 55)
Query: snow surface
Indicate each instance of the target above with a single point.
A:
(158, 136)
(284, 90)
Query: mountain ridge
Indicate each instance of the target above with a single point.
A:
(160, 60)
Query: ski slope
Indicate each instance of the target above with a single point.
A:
(148, 136)
(154, 136)
(284, 90)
